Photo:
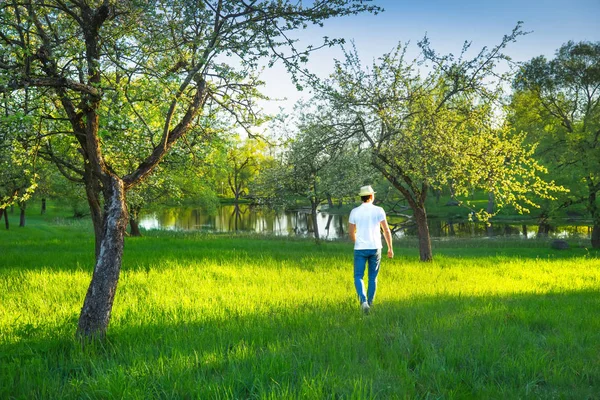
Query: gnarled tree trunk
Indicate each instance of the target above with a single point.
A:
(96, 311)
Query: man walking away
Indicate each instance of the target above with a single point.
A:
(364, 226)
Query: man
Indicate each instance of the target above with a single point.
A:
(364, 227)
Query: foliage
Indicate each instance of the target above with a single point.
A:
(313, 164)
(20, 140)
(71, 193)
(438, 129)
(129, 80)
(433, 122)
(557, 102)
(139, 86)
(244, 161)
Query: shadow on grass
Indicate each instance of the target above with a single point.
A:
(519, 346)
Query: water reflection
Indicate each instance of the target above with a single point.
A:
(529, 229)
(246, 218)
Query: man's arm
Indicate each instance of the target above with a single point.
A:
(352, 231)
(387, 234)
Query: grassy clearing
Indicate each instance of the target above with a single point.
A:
(200, 316)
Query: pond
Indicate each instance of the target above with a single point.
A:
(331, 226)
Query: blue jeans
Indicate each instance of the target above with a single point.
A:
(361, 259)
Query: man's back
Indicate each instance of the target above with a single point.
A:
(367, 218)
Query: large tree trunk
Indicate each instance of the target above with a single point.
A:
(96, 310)
(416, 201)
(423, 231)
(43, 206)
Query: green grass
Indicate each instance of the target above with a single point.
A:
(199, 316)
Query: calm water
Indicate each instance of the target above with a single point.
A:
(247, 218)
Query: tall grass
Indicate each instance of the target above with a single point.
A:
(199, 316)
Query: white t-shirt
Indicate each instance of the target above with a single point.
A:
(367, 218)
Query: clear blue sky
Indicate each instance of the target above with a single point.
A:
(447, 24)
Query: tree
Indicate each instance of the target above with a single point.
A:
(433, 122)
(344, 164)
(348, 169)
(557, 103)
(186, 173)
(170, 61)
(243, 162)
(20, 141)
(270, 185)
(306, 159)
(17, 175)
(318, 167)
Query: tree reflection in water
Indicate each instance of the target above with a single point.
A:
(246, 218)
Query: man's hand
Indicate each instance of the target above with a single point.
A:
(390, 253)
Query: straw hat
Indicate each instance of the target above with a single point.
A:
(366, 190)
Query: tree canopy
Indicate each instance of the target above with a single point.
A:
(427, 127)
(557, 102)
(127, 80)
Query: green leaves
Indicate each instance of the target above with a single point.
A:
(132, 77)
(438, 126)
(557, 102)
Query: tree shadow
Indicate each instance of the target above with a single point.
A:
(515, 346)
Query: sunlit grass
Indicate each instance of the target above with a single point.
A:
(199, 316)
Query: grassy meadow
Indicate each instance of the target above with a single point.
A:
(236, 317)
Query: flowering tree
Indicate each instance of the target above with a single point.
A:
(133, 78)
(434, 126)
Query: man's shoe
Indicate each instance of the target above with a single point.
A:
(365, 307)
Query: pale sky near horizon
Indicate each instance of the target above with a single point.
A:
(447, 24)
